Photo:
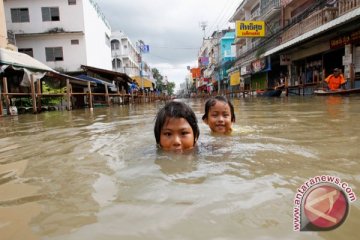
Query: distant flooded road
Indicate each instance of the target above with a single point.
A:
(82, 175)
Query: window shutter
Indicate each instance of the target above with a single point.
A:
(58, 54)
(49, 54)
(15, 15)
(24, 12)
(45, 14)
(55, 14)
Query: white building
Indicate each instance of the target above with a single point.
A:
(63, 34)
(125, 55)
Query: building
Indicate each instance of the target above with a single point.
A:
(7, 39)
(127, 58)
(250, 66)
(62, 34)
(304, 40)
(125, 55)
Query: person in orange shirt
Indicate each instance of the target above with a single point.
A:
(335, 80)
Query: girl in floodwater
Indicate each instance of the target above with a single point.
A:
(219, 115)
(176, 127)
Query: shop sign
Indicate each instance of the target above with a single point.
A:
(259, 65)
(235, 78)
(245, 70)
(345, 39)
(250, 29)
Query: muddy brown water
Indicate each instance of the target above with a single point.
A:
(98, 175)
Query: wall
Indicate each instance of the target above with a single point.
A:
(70, 16)
(74, 55)
(98, 52)
(3, 32)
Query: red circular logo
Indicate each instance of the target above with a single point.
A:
(326, 207)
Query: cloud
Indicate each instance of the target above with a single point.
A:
(171, 28)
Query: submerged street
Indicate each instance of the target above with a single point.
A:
(98, 175)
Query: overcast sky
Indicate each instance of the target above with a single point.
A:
(170, 27)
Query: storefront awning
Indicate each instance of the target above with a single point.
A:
(96, 80)
(327, 26)
(31, 67)
(147, 82)
(16, 59)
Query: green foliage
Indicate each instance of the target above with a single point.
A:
(158, 77)
(170, 87)
(50, 89)
(160, 85)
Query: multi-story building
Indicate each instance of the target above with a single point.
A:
(253, 68)
(126, 58)
(304, 40)
(125, 55)
(62, 34)
(227, 56)
(214, 58)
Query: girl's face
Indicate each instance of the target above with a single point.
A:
(219, 118)
(176, 135)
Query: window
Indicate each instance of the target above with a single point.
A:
(115, 44)
(75, 42)
(107, 40)
(54, 54)
(20, 15)
(28, 51)
(72, 2)
(116, 63)
(50, 14)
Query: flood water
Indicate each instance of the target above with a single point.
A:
(82, 175)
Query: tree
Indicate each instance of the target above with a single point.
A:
(158, 77)
(160, 85)
(170, 87)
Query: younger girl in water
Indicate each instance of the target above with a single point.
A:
(219, 115)
(176, 127)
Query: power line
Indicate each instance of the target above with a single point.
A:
(230, 12)
(230, 8)
(213, 26)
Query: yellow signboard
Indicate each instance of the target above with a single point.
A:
(250, 29)
(235, 78)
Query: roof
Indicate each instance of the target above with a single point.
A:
(16, 59)
(107, 74)
(327, 26)
(95, 80)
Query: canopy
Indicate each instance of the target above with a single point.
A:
(96, 80)
(16, 59)
(20, 61)
(147, 82)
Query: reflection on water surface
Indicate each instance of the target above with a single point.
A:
(83, 175)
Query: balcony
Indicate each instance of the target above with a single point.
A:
(255, 14)
(313, 21)
(11, 37)
(348, 5)
(270, 8)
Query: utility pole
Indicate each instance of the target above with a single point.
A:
(141, 45)
(203, 26)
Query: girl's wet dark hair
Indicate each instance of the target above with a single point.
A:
(175, 110)
(212, 101)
